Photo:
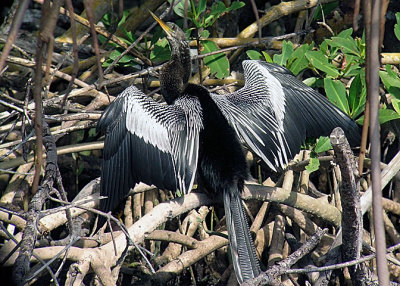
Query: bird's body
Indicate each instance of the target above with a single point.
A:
(165, 145)
(223, 169)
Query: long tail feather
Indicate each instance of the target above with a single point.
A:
(243, 252)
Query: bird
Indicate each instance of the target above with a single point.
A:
(198, 132)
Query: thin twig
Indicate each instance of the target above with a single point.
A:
(373, 94)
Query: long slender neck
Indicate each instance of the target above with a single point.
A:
(176, 73)
(182, 54)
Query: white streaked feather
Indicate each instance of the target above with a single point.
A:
(263, 77)
(141, 122)
(187, 150)
(261, 97)
(173, 129)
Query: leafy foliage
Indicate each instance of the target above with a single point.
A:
(126, 60)
(397, 26)
(323, 144)
(203, 18)
(200, 16)
(218, 63)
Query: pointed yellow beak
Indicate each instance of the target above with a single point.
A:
(163, 25)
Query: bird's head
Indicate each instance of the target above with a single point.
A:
(175, 36)
(175, 74)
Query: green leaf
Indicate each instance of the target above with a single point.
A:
(391, 72)
(92, 132)
(350, 60)
(178, 193)
(179, 8)
(129, 38)
(323, 144)
(355, 92)
(357, 96)
(160, 52)
(386, 115)
(299, 65)
(360, 121)
(396, 104)
(313, 165)
(346, 33)
(219, 63)
(300, 51)
(320, 61)
(397, 26)
(79, 170)
(336, 92)
(219, 8)
(74, 155)
(389, 81)
(157, 35)
(79, 135)
(204, 34)
(126, 59)
(352, 70)
(254, 55)
(85, 153)
(125, 15)
(297, 61)
(347, 45)
(236, 5)
(267, 57)
(114, 54)
(201, 6)
(311, 81)
(107, 19)
(324, 48)
(325, 8)
(287, 50)
(216, 10)
(394, 91)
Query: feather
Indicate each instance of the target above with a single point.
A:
(148, 142)
(274, 112)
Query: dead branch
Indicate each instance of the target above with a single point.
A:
(170, 236)
(189, 225)
(294, 199)
(271, 275)
(188, 258)
(352, 224)
(138, 231)
(21, 266)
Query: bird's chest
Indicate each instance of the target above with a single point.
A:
(221, 158)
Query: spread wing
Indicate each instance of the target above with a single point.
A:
(148, 142)
(274, 112)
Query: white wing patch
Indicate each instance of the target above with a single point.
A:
(257, 113)
(185, 148)
(261, 76)
(140, 120)
(173, 129)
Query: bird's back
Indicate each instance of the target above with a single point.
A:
(221, 158)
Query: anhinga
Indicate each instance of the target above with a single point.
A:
(165, 145)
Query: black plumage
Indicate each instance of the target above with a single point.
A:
(274, 112)
(165, 145)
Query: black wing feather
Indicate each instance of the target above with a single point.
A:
(319, 113)
(274, 112)
(148, 142)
